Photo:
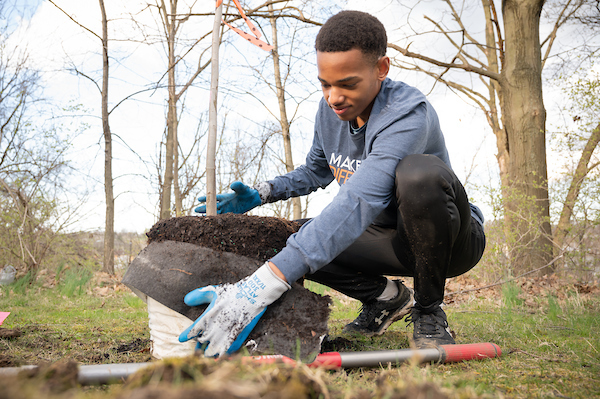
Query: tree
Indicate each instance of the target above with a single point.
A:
(290, 11)
(286, 71)
(283, 117)
(211, 148)
(283, 120)
(108, 264)
(583, 93)
(508, 60)
(33, 169)
(171, 25)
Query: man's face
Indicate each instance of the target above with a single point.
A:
(350, 82)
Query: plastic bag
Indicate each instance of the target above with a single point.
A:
(7, 275)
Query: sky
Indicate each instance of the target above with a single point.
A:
(55, 43)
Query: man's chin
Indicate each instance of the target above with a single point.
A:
(346, 118)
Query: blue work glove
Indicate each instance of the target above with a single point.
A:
(233, 310)
(242, 200)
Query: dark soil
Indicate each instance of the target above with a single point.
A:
(9, 333)
(8, 361)
(137, 345)
(256, 237)
(337, 344)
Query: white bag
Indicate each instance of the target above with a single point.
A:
(165, 326)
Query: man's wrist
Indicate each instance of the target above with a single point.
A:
(276, 271)
(264, 191)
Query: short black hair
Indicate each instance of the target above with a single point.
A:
(349, 30)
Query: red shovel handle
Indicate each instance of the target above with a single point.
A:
(442, 354)
(458, 353)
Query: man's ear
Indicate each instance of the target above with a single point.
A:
(383, 68)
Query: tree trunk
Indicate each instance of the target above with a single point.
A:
(283, 119)
(176, 188)
(492, 51)
(524, 118)
(211, 178)
(171, 145)
(109, 225)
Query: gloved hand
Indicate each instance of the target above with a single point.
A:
(242, 200)
(233, 311)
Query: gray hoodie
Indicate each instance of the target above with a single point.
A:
(402, 122)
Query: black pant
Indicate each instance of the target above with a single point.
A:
(427, 233)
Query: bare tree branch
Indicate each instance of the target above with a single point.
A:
(463, 66)
(72, 19)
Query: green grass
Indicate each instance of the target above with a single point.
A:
(82, 326)
(551, 350)
(545, 354)
(550, 343)
(74, 282)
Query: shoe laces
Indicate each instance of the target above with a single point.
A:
(366, 311)
(427, 323)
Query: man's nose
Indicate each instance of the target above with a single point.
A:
(336, 96)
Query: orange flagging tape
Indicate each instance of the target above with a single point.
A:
(252, 39)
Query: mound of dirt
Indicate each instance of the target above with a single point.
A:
(256, 237)
(190, 252)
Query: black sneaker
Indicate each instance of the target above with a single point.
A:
(431, 329)
(376, 316)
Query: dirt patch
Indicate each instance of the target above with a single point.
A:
(337, 344)
(8, 361)
(255, 237)
(460, 289)
(137, 345)
(9, 333)
(231, 379)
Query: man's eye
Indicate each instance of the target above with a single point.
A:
(349, 86)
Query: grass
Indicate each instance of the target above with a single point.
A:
(550, 344)
(82, 327)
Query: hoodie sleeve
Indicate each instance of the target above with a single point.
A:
(364, 196)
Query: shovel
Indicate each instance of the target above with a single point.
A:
(116, 372)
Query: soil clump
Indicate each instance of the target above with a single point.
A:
(189, 252)
(256, 237)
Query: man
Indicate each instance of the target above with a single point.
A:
(400, 210)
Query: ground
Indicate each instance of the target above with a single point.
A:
(548, 329)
